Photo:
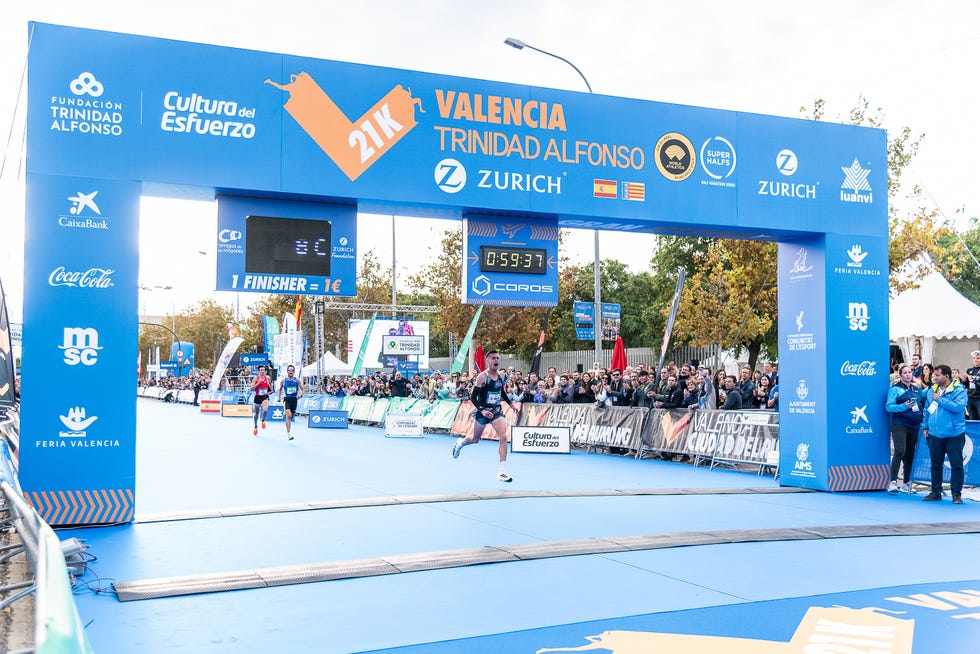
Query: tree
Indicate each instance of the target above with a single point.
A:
(730, 300)
(204, 325)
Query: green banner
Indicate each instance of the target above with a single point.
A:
(364, 345)
(465, 346)
(441, 414)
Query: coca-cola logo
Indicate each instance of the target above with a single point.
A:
(91, 278)
(863, 369)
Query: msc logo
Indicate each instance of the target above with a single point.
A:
(857, 316)
(81, 346)
(450, 176)
(353, 146)
(86, 84)
(229, 235)
(76, 423)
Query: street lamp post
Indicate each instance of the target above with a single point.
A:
(597, 318)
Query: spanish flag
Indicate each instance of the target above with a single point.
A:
(604, 188)
(299, 310)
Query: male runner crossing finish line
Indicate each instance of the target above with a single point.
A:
(488, 391)
(293, 390)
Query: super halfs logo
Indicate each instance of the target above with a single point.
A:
(353, 146)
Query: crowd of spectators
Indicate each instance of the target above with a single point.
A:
(688, 386)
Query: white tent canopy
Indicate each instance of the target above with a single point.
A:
(934, 311)
(328, 365)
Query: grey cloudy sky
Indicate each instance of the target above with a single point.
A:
(915, 60)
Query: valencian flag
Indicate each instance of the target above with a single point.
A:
(536, 362)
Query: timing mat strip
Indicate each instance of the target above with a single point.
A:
(354, 503)
(438, 560)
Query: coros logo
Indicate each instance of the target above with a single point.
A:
(481, 285)
(84, 111)
(857, 316)
(718, 160)
(91, 278)
(229, 235)
(674, 155)
(81, 346)
(353, 145)
(450, 175)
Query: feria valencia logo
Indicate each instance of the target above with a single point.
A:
(353, 145)
(91, 278)
(863, 369)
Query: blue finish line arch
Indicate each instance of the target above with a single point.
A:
(113, 116)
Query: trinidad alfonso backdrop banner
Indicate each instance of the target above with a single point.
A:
(314, 142)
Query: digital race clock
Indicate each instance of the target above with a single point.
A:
(502, 258)
(287, 246)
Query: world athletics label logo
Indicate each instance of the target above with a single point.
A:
(675, 156)
(85, 110)
(353, 145)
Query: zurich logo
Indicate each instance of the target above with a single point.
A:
(786, 162)
(450, 176)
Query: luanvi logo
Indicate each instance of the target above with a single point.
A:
(353, 146)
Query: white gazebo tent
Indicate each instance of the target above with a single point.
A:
(932, 313)
(328, 365)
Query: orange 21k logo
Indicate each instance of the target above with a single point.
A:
(353, 146)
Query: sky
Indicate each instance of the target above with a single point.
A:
(916, 61)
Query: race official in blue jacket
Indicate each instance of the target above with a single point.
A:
(945, 431)
(905, 405)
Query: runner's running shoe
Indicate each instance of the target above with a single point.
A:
(255, 431)
(457, 447)
(503, 476)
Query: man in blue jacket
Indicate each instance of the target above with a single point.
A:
(945, 431)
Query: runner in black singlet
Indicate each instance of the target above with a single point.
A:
(488, 392)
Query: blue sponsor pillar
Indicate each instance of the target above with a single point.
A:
(833, 362)
(77, 451)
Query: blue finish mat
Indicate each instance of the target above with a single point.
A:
(191, 461)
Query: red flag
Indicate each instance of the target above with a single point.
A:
(299, 310)
(479, 361)
(618, 355)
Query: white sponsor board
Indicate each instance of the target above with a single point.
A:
(403, 345)
(403, 425)
(553, 440)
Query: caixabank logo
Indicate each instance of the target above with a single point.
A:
(353, 145)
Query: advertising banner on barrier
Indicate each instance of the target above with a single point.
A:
(607, 427)
(737, 436)
(210, 406)
(548, 440)
(236, 410)
(441, 414)
(922, 467)
(276, 413)
(320, 419)
(463, 422)
(403, 425)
